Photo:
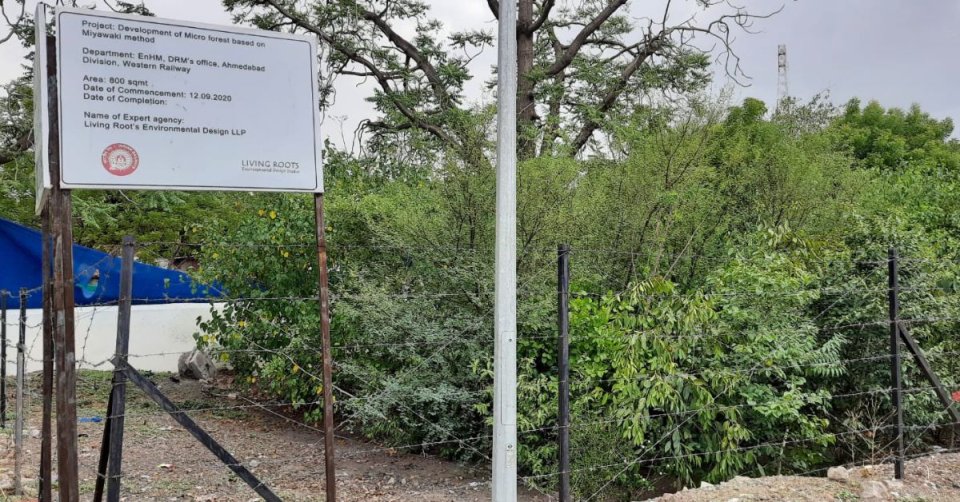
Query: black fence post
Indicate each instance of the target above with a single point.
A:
(3, 359)
(21, 376)
(896, 380)
(111, 447)
(563, 367)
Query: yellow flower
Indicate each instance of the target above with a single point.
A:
(216, 255)
(261, 212)
(286, 254)
(273, 214)
(242, 324)
(296, 368)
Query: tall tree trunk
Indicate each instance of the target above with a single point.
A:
(551, 125)
(526, 105)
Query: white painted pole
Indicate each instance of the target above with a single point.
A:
(505, 300)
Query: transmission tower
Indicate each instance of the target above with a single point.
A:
(783, 89)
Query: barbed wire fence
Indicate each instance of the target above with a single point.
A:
(388, 408)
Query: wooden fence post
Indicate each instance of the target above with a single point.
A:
(111, 448)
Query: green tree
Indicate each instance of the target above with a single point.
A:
(578, 66)
(893, 139)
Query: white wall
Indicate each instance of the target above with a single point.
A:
(158, 335)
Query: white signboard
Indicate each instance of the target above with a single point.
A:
(157, 104)
(41, 107)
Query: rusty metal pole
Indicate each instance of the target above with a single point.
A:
(328, 429)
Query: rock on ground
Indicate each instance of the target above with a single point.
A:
(839, 474)
(873, 491)
(196, 365)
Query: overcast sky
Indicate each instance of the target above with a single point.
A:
(894, 51)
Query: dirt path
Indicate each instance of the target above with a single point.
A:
(162, 462)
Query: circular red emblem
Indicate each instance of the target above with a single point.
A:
(120, 159)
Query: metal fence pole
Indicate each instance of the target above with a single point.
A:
(896, 380)
(3, 359)
(563, 367)
(21, 373)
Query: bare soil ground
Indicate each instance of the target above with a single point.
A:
(926, 479)
(163, 462)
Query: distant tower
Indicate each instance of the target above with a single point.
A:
(783, 89)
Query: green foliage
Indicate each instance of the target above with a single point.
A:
(730, 274)
(733, 370)
(894, 139)
(405, 350)
(268, 337)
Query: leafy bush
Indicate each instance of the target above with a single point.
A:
(730, 314)
(705, 384)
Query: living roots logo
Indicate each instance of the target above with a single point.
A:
(120, 159)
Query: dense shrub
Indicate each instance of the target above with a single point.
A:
(731, 295)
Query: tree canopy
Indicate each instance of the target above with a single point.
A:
(579, 66)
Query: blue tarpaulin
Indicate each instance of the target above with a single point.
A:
(96, 274)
